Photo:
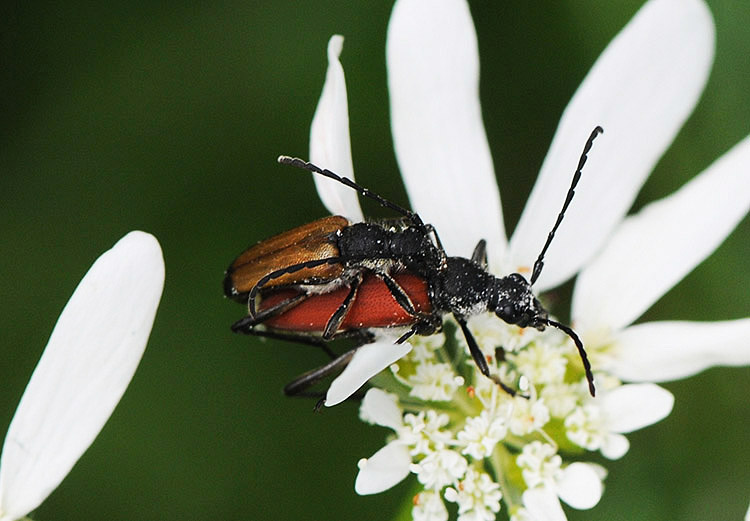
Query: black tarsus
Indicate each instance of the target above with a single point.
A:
(539, 263)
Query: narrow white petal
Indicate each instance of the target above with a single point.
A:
(439, 137)
(385, 469)
(634, 406)
(368, 361)
(654, 249)
(580, 486)
(663, 351)
(88, 363)
(543, 505)
(641, 90)
(615, 446)
(380, 407)
(747, 515)
(330, 146)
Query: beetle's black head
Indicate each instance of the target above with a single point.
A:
(516, 304)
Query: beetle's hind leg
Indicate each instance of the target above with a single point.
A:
(259, 317)
(299, 385)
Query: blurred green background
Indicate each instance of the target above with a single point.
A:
(168, 117)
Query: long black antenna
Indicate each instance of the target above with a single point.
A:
(581, 352)
(539, 263)
(305, 165)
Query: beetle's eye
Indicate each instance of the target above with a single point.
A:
(508, 313)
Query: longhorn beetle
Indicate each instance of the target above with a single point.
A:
(333, 278)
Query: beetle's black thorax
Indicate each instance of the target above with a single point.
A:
(390, 242)
(462, 287)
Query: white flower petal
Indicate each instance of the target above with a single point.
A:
(747, 515)
(439, 138)
(542, 505)
(663, 351)
(634, 406)
(641, 90)
(654, 249)
(580, 486)
(368, 361)
(330, 146)
(385, 469)
(88, 363)
(381, 408)
(615, 446)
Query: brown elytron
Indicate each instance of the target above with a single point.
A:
(309, 242)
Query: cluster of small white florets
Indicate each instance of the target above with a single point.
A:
(472, 444)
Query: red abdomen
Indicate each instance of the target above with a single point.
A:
(373, 306)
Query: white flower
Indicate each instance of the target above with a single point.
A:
(478, 497)
(641, 90)
(528, 416)
(561, 398)
(540, 464)
(541, 362)
(481, 434)
(578, 484)
(429, 506)
(630, 407)
(88, 363)
(423, 347)
(434, 382)
(440, 468)
(417, 435)
(628, 263)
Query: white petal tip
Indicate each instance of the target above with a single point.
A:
(581, 486)
(335, 46)
(385, 469)
(634, 406)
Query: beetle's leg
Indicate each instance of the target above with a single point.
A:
(480, 253)
(284, 271)
(430, 229)
(247, 325)
(333, 324)
(305, 380)
(479, 358)
(265, 314)
(288, 337)
(427, 324)
(398, 293)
